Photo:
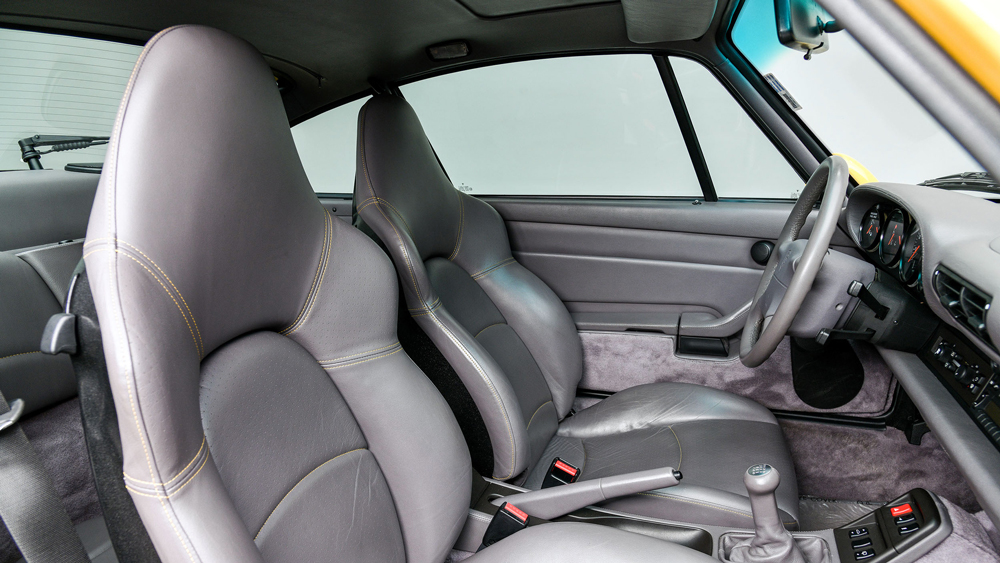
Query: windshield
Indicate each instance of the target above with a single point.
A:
(851, 103)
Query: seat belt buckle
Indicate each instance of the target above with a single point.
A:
(560, 473)
(506, 521)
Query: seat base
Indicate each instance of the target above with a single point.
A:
(711, 436)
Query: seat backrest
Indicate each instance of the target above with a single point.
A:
(265, 407)
(507, 335)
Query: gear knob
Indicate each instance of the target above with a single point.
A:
(761, 479)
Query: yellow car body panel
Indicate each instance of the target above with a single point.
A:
(962, 34)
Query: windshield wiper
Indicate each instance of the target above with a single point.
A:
(58, 143)
(972, 181)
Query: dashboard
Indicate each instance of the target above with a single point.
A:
(944, 249)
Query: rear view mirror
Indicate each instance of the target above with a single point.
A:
(803, 25)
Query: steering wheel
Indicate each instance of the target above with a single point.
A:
(791, 270)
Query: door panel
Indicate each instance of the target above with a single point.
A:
(636, 274)
(644, 255)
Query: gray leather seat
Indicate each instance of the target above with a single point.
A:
(515, 347)
(266, 410)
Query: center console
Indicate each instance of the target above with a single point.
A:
(901, 531)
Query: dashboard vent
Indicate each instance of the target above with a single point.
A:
(964, 301)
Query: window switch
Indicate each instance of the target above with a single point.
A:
(905, 519)
(863, 542)
(858, 532)
(908, 528)
(864, 554)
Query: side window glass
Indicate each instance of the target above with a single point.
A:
(327, 145)
(576, 126)
(741, 159)
(59, 85)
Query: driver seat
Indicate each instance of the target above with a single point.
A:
(514, 346)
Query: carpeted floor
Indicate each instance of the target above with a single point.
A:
(57, 436)
(618, 360)
(857, 464)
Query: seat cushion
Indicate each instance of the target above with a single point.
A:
(560, 542)
(711, 436)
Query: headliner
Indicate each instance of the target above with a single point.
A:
(331, 50)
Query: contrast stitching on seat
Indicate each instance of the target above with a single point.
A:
(493, 268)
(161, 490)
(486, 327)
(532, 419)
(112, 164)
(425, 308)
(324, 260)
(338, 366)
(204, 440)
(317, 468)
(461, 225)
(425, 311)
(20, 354)
(372, 200)
(380, 356)
(179, 294)
(413, 280)
(371, 189)
(680, 451)
(365, 353)
(126, 253)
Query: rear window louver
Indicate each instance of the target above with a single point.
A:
(966, 303)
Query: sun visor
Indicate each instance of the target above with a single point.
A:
(657, 21)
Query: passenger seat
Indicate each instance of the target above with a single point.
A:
(514, 345)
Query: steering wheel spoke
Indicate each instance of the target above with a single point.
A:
(793, 265)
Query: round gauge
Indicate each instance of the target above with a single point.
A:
(910, 261)
(871, 226)
(892, 237)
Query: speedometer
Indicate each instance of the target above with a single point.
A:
(871, 226)
(892, 237)
(909, 265)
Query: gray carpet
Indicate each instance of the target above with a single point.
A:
(618, 360)
(857, 464)
(970, 539)
(57, 436)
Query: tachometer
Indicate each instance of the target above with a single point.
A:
(871, 226)
(909, 265)
(892, 237)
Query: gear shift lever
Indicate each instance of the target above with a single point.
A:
(771, 542)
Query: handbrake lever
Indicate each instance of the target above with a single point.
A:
(554, 502)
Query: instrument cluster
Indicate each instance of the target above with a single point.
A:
(892, 238)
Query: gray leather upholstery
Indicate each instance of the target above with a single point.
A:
(514, 345)
(266, 410)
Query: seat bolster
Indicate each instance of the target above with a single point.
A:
(489, 388)
(542, 322)
(661, 404)
(564, 542)
(180, 533)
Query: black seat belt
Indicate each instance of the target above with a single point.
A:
(29, 504)
(76, 332)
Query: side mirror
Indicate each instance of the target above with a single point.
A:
(803, 25)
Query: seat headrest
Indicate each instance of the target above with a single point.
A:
(397, 164)
(204, 190)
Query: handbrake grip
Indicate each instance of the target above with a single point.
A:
(554, 502)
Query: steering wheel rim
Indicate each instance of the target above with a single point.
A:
(764, 330)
